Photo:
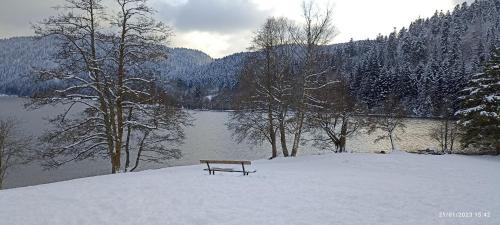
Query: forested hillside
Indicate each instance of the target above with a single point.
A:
(21, 57)
(425, 64)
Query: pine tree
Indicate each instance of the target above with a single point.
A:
(480, 109)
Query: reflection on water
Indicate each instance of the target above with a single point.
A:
(207, 139)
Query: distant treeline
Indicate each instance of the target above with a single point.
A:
(425, 65)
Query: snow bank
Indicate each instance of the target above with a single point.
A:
(322, 189)
(7, 96)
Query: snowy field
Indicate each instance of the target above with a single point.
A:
(208, 138)
(398, 188)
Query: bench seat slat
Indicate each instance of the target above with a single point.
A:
(226, 161)
(231, 170)
(212, 170)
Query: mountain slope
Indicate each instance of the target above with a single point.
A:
(424, 65)
(221, 73)
(21, 56)
(18, 58)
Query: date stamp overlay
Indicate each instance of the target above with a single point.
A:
(465, 214)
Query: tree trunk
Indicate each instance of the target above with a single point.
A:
(2, 175)
(392, 142)
(284, 147)
(127, 142)
(272, 132)
(3, 170)
(452, 138)
(116, 161)
(119, 94)
(343, 134)
(139, 152)
(102, 92)
(342, 144)
(332, 136)
(298, 133)
(446, 135)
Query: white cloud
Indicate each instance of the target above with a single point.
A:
(215, 44)
(17, 15)
(212, 15)
(222, 27)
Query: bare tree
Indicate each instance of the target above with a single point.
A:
(283, 94)
(157, 145)
(15, 148)
(445, 133)
(316, 31)
(391, 120)
(263, 103)
(288, 67)
(336, 120)
(103, 59)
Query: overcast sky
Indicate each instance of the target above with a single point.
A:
(223, 27)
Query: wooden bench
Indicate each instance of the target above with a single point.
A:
(211, 170)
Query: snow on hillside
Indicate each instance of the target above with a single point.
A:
(394, 189)
(20, 57)
(221, 73)
(424, 64)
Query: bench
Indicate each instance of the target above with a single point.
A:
(211, 170)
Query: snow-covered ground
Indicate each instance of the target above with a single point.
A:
(398, 188)
(208, 138)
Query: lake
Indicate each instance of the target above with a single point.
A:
(208, 138)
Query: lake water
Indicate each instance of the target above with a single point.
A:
(208, 138)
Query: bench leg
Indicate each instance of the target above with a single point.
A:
(244, 172)
(209, 170)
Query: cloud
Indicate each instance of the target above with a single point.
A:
(16, 15)
(212, 15)
(215, 44)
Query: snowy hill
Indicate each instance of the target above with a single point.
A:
(18, 58)
(398, 188)
(221, 73)
(424, 64)
(21, 56)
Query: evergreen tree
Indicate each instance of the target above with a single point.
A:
(480, 109)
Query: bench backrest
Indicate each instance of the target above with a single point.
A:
(226, 161)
